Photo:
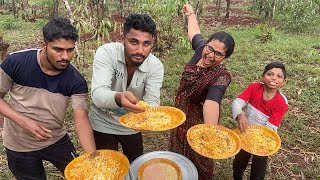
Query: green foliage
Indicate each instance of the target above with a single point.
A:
(300, 15)
(30, 10)
(86, 23)
(290, 15)
(264, 32)
(165, 13)
(9, 23)
(40, 23)
(44, 3)
(23, 33)
(263, 7)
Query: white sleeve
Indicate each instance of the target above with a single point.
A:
(237, 106)
(103, 71)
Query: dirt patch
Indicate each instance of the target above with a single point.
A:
(22, 46)
(237, 17)
(231, 21)
(239, 12)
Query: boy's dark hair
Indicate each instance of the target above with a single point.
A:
(226, 39)
(59, 27)
(140, 22)
(276, 65)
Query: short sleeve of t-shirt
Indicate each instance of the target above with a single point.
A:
(5, 79)
(216, 93)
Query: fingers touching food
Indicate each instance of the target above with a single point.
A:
(143, 105)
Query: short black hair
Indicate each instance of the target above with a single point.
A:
(226, 39)
(276, 65)
(140, 22)
(59, 27)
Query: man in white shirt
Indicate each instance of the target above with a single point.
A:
(123, 74)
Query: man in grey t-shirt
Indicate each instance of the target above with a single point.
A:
(123, 74)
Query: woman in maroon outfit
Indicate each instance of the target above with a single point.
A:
(202, 86)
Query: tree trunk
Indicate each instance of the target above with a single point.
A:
(91, 6)
(34, 11)
(199, 7)
(273, 9)
(98, 14)
(228, 9)
(22, 5)
(71, 17)
(14, 8)
(218, 4)
(121, 8)
(106, 8)
(102, 10)
(69, 11)
(55, 8)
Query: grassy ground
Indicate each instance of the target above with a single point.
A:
(298, 157)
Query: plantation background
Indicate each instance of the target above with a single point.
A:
(264, 31)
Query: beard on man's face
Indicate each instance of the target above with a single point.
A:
(52, 64)
(139, 56)
(133, 57)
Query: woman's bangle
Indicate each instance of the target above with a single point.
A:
(189, 14)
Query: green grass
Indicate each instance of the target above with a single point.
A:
(19, 33)
(300, 128)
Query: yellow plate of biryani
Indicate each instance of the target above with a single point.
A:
(159, 169)
(159, 118)
(100, 164)
(213, 141)
(259, 140)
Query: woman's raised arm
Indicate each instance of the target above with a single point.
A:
(193, 26)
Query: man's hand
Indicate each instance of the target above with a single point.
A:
(127, 100)
(37, 130)
(242, 122)
(34, 128)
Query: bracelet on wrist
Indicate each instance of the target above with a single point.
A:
(189, 14)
